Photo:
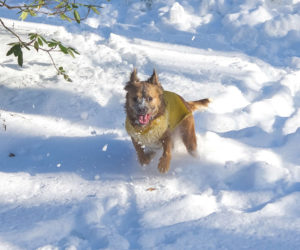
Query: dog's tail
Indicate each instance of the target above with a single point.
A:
(199, 105)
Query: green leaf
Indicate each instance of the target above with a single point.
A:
(59, 5)
(69, 7)
(74, 50)
(11, 51)
(93, 8)
(63, 49)
(67, 78)
(77, 16)
(44, 40)
(62, 72)
(32, 12)
(24, 15)
(71, 53)
(65, 17)
(36, 45)
(25, 46)
(40, 41)
(52, 44)
(17, 49)
(20, 57)
(32, 36)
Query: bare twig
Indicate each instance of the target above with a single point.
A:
(11, 31)
(52, 60)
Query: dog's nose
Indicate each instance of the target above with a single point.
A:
(142, 110)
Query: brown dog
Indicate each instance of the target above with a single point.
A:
(153, 116)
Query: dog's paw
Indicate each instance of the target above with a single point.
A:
(147, 158)
(194, 153)
(164, 165)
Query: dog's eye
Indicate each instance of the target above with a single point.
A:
(149, 98)
(135, 99)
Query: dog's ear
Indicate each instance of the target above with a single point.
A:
(133, 79)
(133, 76)
(154, 78)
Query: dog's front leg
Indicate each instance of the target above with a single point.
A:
(164, 161)
(144, 158)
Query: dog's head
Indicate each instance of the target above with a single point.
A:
(144, 99)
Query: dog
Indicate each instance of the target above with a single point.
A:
(153, 115)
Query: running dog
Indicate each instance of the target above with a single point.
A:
(153, 115)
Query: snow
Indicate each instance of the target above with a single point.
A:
(179, 19)
(69, 177)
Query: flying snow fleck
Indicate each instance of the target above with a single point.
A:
(104, 148)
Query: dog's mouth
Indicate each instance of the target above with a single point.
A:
(144, 119)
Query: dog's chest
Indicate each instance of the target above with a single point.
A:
(150, 136)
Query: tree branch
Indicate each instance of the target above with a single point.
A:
(11, 31)
(66, 7)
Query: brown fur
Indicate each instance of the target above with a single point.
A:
(199, 105)
(137, 89)
(147, 97)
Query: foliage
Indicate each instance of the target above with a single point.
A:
(67, 10)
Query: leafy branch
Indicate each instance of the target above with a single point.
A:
(65, 9)
(38, 42)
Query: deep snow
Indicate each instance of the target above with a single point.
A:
(69, 176)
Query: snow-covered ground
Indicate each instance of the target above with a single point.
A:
(69, 178)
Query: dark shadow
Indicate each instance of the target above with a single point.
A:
(103, 155)
(12, 66)
(256, 137)
(289, 151)
(233, 235)
(39, 63)
(89, 157)
(63, 104)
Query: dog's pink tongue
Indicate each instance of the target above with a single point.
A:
(144, 119)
